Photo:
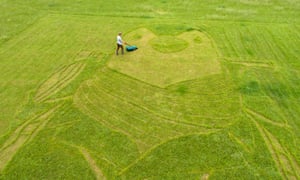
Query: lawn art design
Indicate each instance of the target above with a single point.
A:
(168, 110)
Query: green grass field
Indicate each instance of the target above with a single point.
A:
(212, 92)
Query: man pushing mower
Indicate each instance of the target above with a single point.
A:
(120, 43)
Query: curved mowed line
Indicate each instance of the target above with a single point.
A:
(111, 100)
(58, 81)
(93, 165)
(153, 98)
(22, 135)
(285, 162)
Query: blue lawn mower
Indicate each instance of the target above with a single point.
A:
(131, 48)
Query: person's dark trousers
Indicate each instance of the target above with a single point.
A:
(118, 47)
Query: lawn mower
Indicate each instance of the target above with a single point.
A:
(131, 47)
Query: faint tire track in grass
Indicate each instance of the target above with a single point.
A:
(58, 81)
(289, 163)
(282, 45)
(267, 48)
(16, 133)
(101, 96)
(289, 42)
(89, 109)
(242, 47)
(23, 135)
(240, 142)
(273, 42)
(285, 162)
(256, 42)
(147, 109)
(269, 42)
(116, 96)
(93, 165)
(265, 119)
(229, 50)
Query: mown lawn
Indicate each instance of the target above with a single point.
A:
(212, 92)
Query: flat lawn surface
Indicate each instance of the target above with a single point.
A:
(212, 92)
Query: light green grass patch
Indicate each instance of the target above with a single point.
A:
(168, 44)
(163, 60)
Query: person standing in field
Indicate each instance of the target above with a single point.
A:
(120, 43)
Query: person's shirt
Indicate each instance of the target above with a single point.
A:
(119, 40)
